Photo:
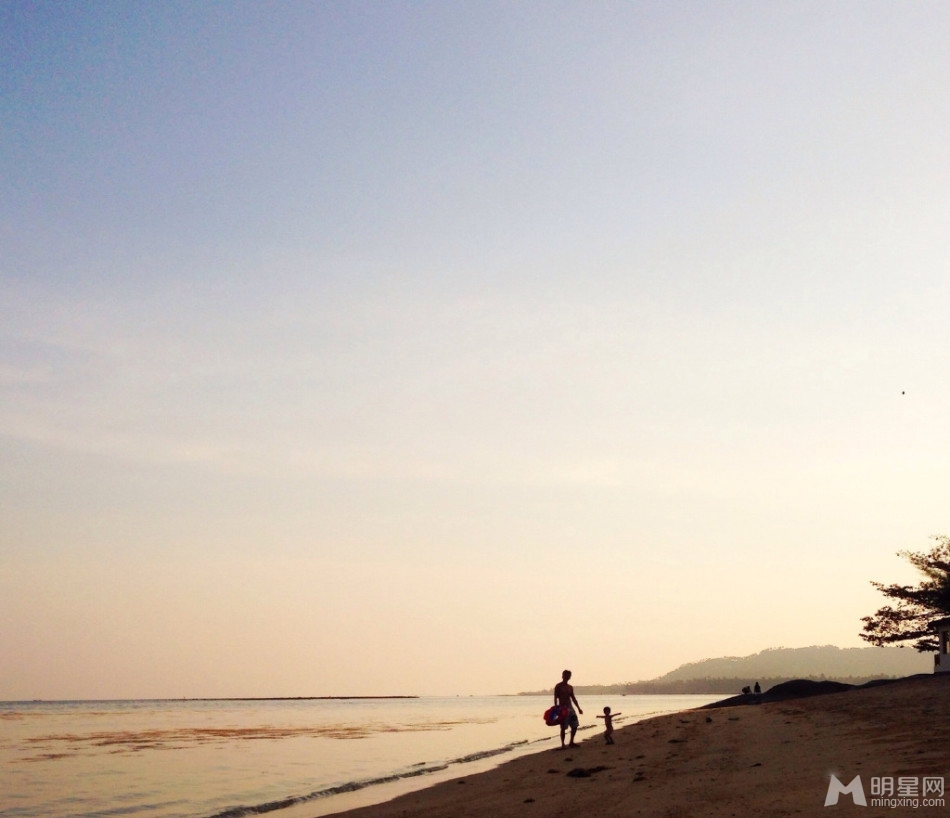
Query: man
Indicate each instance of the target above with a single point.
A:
(564, 697)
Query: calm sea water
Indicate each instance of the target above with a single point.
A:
(289, 759)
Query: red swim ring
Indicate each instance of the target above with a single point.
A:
(556, 715)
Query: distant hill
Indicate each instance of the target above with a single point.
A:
(729, 674)
(826, 661)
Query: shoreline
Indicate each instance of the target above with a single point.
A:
(292, 759)
(768, 757)
(369, 792)
(374, 791)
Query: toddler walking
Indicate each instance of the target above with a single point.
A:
(608, 718)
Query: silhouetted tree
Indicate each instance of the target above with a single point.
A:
(917, 606)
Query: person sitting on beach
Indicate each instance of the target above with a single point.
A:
(608, 718)
(564, 697)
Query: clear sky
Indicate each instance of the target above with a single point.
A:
(431, 348)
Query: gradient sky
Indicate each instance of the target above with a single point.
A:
(431, 348)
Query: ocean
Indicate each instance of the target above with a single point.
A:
(296, 758)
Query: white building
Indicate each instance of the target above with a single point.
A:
(942, 658)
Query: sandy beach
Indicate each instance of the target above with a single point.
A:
(772, 758)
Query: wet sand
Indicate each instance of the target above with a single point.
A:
(772, 758)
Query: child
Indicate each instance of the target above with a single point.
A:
(609, 725)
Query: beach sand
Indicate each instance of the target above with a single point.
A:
(765, 759)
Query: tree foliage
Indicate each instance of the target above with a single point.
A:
(916, 607)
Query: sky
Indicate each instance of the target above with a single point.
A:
(432, 348)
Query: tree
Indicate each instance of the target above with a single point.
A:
(917, 606)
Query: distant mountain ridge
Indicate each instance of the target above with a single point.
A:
(775, 665)
(826, 661)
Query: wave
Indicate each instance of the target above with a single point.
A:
(352, 786)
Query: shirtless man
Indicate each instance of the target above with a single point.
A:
(564, 696)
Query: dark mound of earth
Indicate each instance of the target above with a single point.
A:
(799, 689)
